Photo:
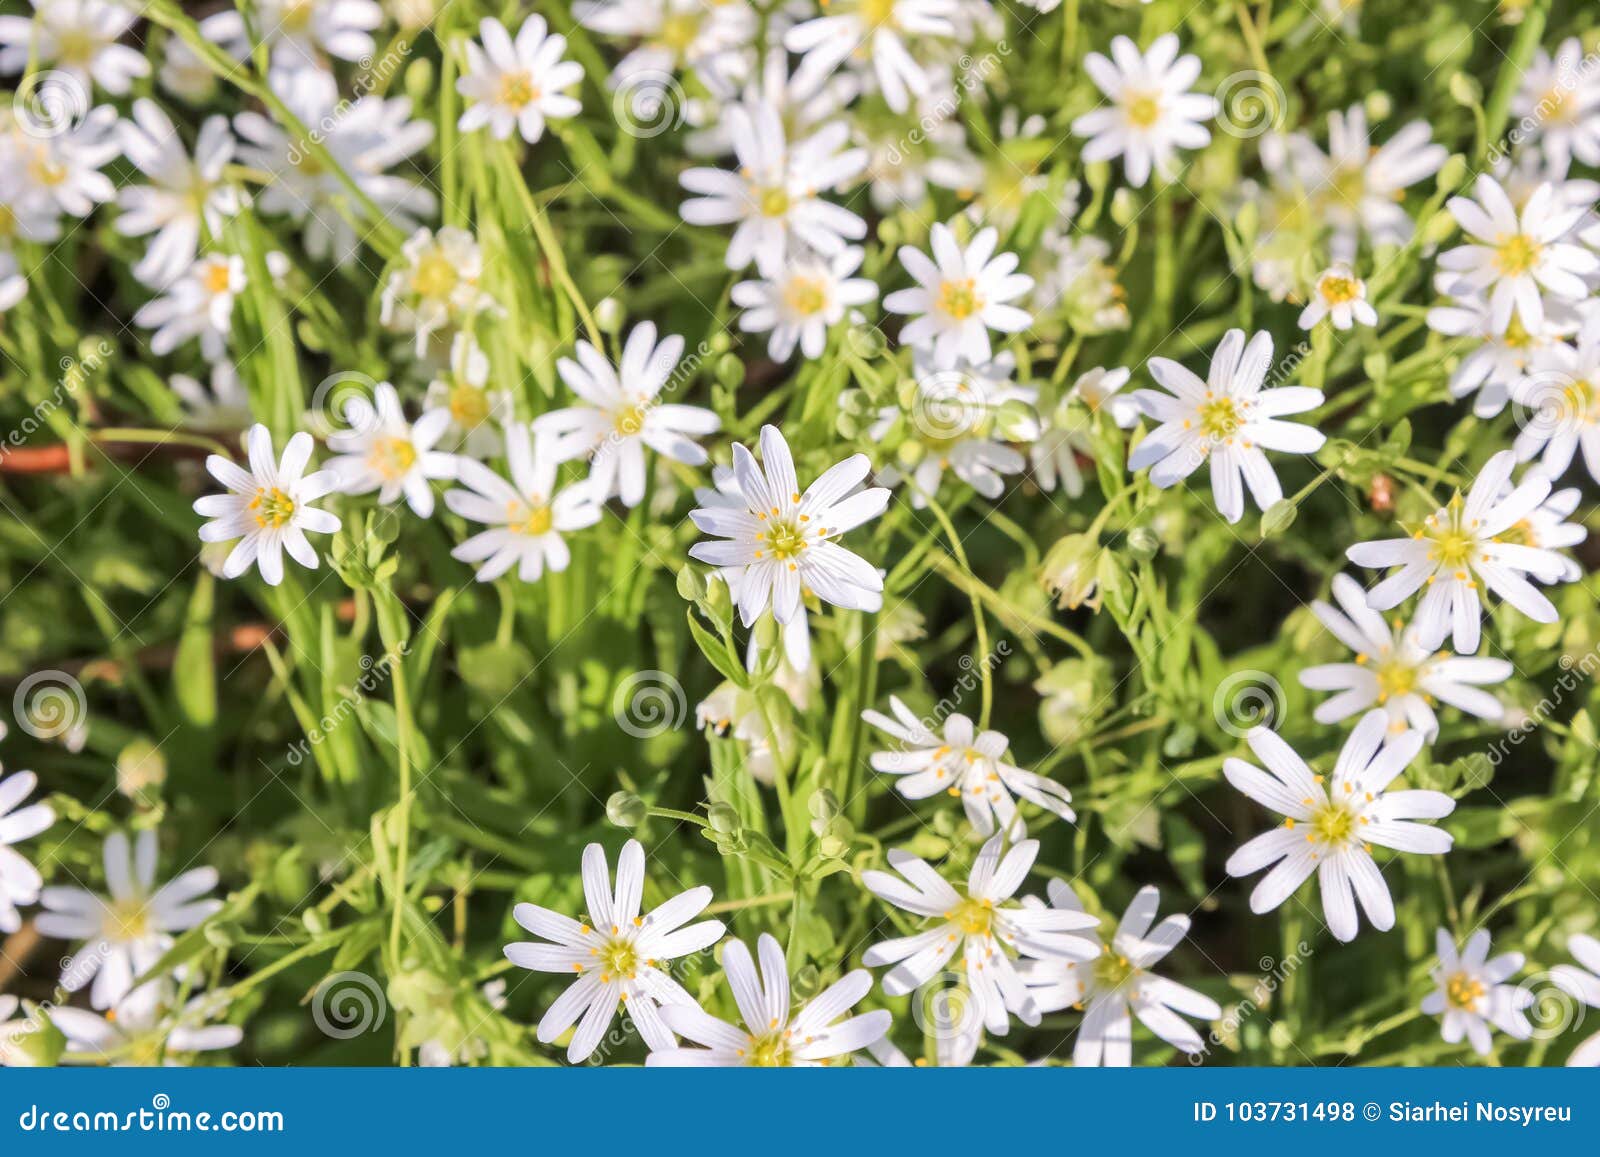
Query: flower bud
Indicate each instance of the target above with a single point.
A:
(1069, 571)
(609, 314)
(625, 810)
(723, 819)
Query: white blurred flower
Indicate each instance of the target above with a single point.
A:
(197, 305)
(19, 880)
(300, 33)
(1558, 105)
(478, 414)
(78, 38)
(1153, 114)
(439, 285)
(879, 30)
(147, 1028)
(517, 85)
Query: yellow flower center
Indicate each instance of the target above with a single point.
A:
(806, 295)
(783, 540)
(679, 31)
(297, 15)
(1557, 105)
(516, 89)
(8, 222)
(1332, 824)
(469, 405)
(630, 420)
(1454, 543)
(774, 201)
(1463, 991)
(1349, 185)
(1113, 970)
(1144, 109)
(126, 920)
(1395, 678)
(43, 170)
(771, 1051)
(1220, 418)
(877, 13)
(1517, 336)
(619, 958)
(973, 917)
(392, 457)
(1516, 254)
(959, 299)
(1338, 290)
(434, 275)
(272, 507)
(532, 520)
(76, 46)
(217, 278)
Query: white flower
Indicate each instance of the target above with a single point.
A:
(1472, 997)
(147, 1028)
(366, 137)
(1559, 103)
(129, 930)
(773, 196)
(184, 193)
(184, 74)
(438, 286)
(1359, 188)
(1228, 419)
(734, 710)
(877, 29)
(622, 414)
(223, 405)
(1340, 296)
(526, 516)
(19, 880)
(382, 451)
(772, 1036)
(1329, 830)
(299, 32)
(670, 34)
(267, 507)
(477, 413)
(803, 300)
(614, 955)
(990, 935)
(13, 1032)
(1461, 545)
(1078, 280)
(779, 545)
(1506, 356)
(1395, 672)
(1514, 258)
(1560, 404)
(964, 763)
(1582, 982)
(1548, 528)
(63, 168)
(1153, 113)
(1067, 434)
(78, 38)
(1119, 982)
(518, 84)
(198, 305)
(961, 294)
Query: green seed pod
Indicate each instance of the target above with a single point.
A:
(625, 810)
(723, 819)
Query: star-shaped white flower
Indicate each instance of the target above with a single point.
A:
(802, 301)
(1461, 545)
(772, 1036)
(1341, 297)
(268, 507)
(990, 933)
(1118, 984)
(1330, 827)
(961, 294)
(383, 451)
(781, 542)
(615, 955)
(1393, 671)
(966, 764)
(1153, 114)
(1227, 419)
(1472, 996)
(518, 84)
